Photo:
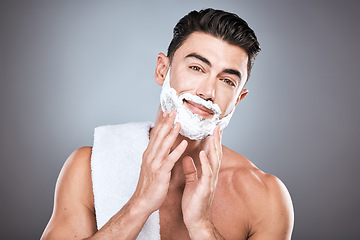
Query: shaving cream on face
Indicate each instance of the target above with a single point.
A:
(193, 126)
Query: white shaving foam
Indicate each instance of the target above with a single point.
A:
(193, 126)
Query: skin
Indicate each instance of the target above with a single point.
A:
(202, 189)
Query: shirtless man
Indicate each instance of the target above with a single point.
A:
(203, 190)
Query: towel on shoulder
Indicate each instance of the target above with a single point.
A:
(115, 166)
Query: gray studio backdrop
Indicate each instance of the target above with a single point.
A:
(69, 66)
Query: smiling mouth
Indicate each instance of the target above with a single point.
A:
(198, 109)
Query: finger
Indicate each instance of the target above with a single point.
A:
(159, 123)
(168, 164)
(164, 147)
(215, 154)
(218, 145)
(150, 151)
(212, 154)
(216, 149)
(154, 131)
(189, 169)
(164, 129)
(205, 168)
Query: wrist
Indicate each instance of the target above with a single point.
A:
(138, 207)
(203, 230)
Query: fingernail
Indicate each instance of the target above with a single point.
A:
(175, 126)
(164, 114)
(171, 114)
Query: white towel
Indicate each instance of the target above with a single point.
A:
(115, 164)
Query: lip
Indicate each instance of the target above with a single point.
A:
(198, 109)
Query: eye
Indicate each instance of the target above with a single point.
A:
(229, 82)
(196, 68)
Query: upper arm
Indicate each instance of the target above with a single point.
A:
(277, 218)
(73, 214)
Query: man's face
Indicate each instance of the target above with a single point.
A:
(211, 69)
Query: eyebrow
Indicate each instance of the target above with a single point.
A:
(233, 72)
(207, 62)
(201, 58)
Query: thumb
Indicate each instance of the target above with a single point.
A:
(189, 169)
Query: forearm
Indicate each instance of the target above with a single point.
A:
(127, 223)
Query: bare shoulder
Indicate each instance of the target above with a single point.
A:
(73, 214)
(248, 177)
(75, 177)
(78, 161)
(265, 197)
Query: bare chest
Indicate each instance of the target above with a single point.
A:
(171, 219)
(229, 217)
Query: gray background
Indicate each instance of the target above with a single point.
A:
(69, 66)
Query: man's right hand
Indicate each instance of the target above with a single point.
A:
(158, 161)
(74, 197)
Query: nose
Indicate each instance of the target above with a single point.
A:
(206, 89)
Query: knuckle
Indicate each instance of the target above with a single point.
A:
(153, 168)
(168, 121)
(152, 134)
(164, 148)
(156, 134)
(191, 177)
(174, 131)
(170, 159)
(145, 154)
(157, 175)
(152, 131)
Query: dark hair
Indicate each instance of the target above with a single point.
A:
(223, 25)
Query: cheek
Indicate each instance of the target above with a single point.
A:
(176, 81)
(183, 84)
(227, 102)
(181, 87)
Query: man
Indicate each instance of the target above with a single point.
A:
(199, 188)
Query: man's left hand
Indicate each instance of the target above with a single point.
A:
(199, 192)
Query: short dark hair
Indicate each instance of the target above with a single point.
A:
(223, 25)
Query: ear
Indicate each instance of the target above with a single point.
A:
(242, 95)
(162, 67)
